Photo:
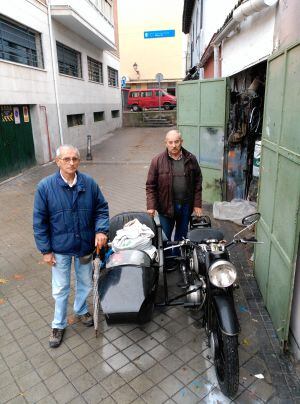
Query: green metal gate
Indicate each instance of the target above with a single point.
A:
(279, 196)
(201, 118)
(16, 141)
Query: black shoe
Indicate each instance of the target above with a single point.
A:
(56, 337)
(86, 319)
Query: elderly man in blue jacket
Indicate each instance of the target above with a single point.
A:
(70, 218)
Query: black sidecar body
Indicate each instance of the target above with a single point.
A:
(128, 284)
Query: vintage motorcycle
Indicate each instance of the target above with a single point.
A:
(129, 283)
(209, 279)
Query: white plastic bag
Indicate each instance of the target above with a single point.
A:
(234, 210)
(134, 236)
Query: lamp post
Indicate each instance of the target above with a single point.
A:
(135, 68)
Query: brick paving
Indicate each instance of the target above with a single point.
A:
(165, 361)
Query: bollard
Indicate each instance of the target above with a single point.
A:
(89, 148)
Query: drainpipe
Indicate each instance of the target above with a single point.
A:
(54, 72)
(216, 62)
(239, 14)
(250, 7)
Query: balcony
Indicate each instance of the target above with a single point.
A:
(86, 20)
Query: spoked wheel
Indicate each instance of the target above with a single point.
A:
(226, 359)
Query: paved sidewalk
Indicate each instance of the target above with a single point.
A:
(165, 361)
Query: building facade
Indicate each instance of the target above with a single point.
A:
(59, 77)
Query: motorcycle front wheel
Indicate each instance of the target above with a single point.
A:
(226, 360)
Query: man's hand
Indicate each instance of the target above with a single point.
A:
(198, 211)
(100, 240)
(151, 212)
(49, 259)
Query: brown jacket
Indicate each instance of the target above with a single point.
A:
(159, 182)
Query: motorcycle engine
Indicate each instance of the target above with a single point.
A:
(197, 262)
(196, 297)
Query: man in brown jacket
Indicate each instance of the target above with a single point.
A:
(174, 187)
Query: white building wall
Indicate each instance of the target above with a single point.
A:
(20, 84)
(80, 96)
(247, 48)
(90, 14)
(214, 14)
(235, 55)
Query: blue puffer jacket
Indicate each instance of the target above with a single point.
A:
(66, 219)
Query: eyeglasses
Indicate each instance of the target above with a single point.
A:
(69, 159)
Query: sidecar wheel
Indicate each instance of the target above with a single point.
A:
(226, 362)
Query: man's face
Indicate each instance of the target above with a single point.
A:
(174, 143)
(68, 162)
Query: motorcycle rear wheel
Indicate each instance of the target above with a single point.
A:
(226, 360)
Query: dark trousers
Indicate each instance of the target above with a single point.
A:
(182, 213)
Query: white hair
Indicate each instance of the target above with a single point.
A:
(66, 146)
(173, 132)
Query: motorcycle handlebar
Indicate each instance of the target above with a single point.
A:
(168, 243)
(176, 244)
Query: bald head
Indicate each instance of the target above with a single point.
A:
(173, 143)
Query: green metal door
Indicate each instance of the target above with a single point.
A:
(16, 141)
(279, 195)
(202, 121)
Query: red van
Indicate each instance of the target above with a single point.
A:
(140, 99)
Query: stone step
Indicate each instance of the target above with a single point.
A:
(157, 124)
(155, 119)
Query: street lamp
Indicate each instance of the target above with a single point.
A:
(135, 68)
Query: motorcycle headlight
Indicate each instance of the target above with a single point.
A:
(222, 274)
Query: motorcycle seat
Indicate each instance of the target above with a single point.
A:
(202, 235)
(117, 222)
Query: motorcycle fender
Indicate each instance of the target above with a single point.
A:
(227, 316)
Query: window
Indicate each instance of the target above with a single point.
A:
(115, 113)
(152, 85)
(135, 94)
(107, 9)
(171, 90)
(95, 70)
(146, 93)
(105, 6)
(69, 60)
(161, 93)
(75, 120)
(20, 44)
(99, 116)
(112, 77)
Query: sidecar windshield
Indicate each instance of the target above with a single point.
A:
(128, 257)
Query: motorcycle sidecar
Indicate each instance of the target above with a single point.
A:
(128, 284)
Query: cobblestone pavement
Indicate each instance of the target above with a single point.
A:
(165, 361)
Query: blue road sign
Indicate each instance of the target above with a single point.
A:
(159, 34)
(123, 81)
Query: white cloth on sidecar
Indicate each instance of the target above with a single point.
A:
(135, 236)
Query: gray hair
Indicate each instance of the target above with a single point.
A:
(173, 132)
(66, 146)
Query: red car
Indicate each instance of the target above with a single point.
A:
(140, 99)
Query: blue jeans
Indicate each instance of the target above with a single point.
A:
(61, 277)
(181, 218)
